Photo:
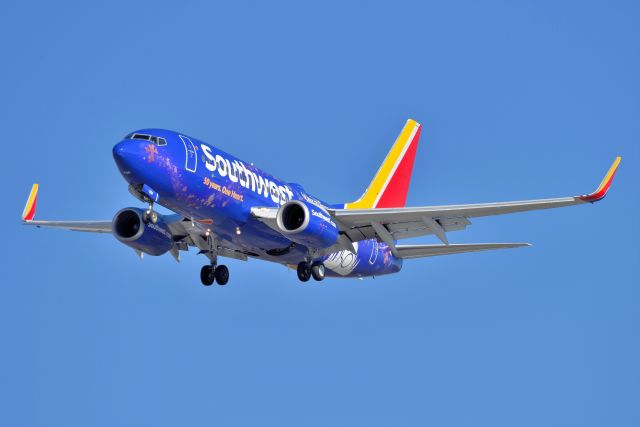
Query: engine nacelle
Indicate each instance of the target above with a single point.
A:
(151, 238)
(307, 224)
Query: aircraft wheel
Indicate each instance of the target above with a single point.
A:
(206, 275)
(304, 272)
(222, 275)
(151, 217)
(317, 271)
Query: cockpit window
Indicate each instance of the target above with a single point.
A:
(159, 141)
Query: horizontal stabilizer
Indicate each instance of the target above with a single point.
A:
(420, 251)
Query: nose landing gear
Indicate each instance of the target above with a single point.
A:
(150, 215)
(210, 274)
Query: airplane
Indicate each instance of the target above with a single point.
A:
(225, 207)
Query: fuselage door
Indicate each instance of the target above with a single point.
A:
(191, 160)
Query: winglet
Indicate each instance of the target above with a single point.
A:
(30, 208)
(604, 185)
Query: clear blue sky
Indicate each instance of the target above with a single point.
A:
(518, 100)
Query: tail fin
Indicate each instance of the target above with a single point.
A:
(30, 208)
(390, 185)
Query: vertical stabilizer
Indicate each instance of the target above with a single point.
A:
(390, 185)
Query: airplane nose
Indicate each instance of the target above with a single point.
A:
(124, 154)
(119, 150)
(136, 161)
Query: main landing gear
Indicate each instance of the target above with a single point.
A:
(211, 273)
(306, 271)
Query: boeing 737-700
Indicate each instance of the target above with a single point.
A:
(225, 207)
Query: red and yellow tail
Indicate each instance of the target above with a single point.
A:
(30, 208)
(390, 185)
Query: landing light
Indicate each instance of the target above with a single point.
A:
(238, 232)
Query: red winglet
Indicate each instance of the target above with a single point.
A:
(30, 208)
(604, 185)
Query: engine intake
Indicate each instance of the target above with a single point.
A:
(307, 224)
(130, 228)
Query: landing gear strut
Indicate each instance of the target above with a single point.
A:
(211, 273)
(306, 271)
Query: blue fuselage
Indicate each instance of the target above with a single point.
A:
(207, 185)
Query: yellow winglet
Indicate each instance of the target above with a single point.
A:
(604, 185)
(30, 208)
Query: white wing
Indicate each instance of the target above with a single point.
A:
(185, 232)
(390, 224)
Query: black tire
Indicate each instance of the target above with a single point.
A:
(304, 272)
(222, 275)
(206, 275)
(318, 271)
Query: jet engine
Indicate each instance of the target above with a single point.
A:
(130, 227)
(307, 224)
